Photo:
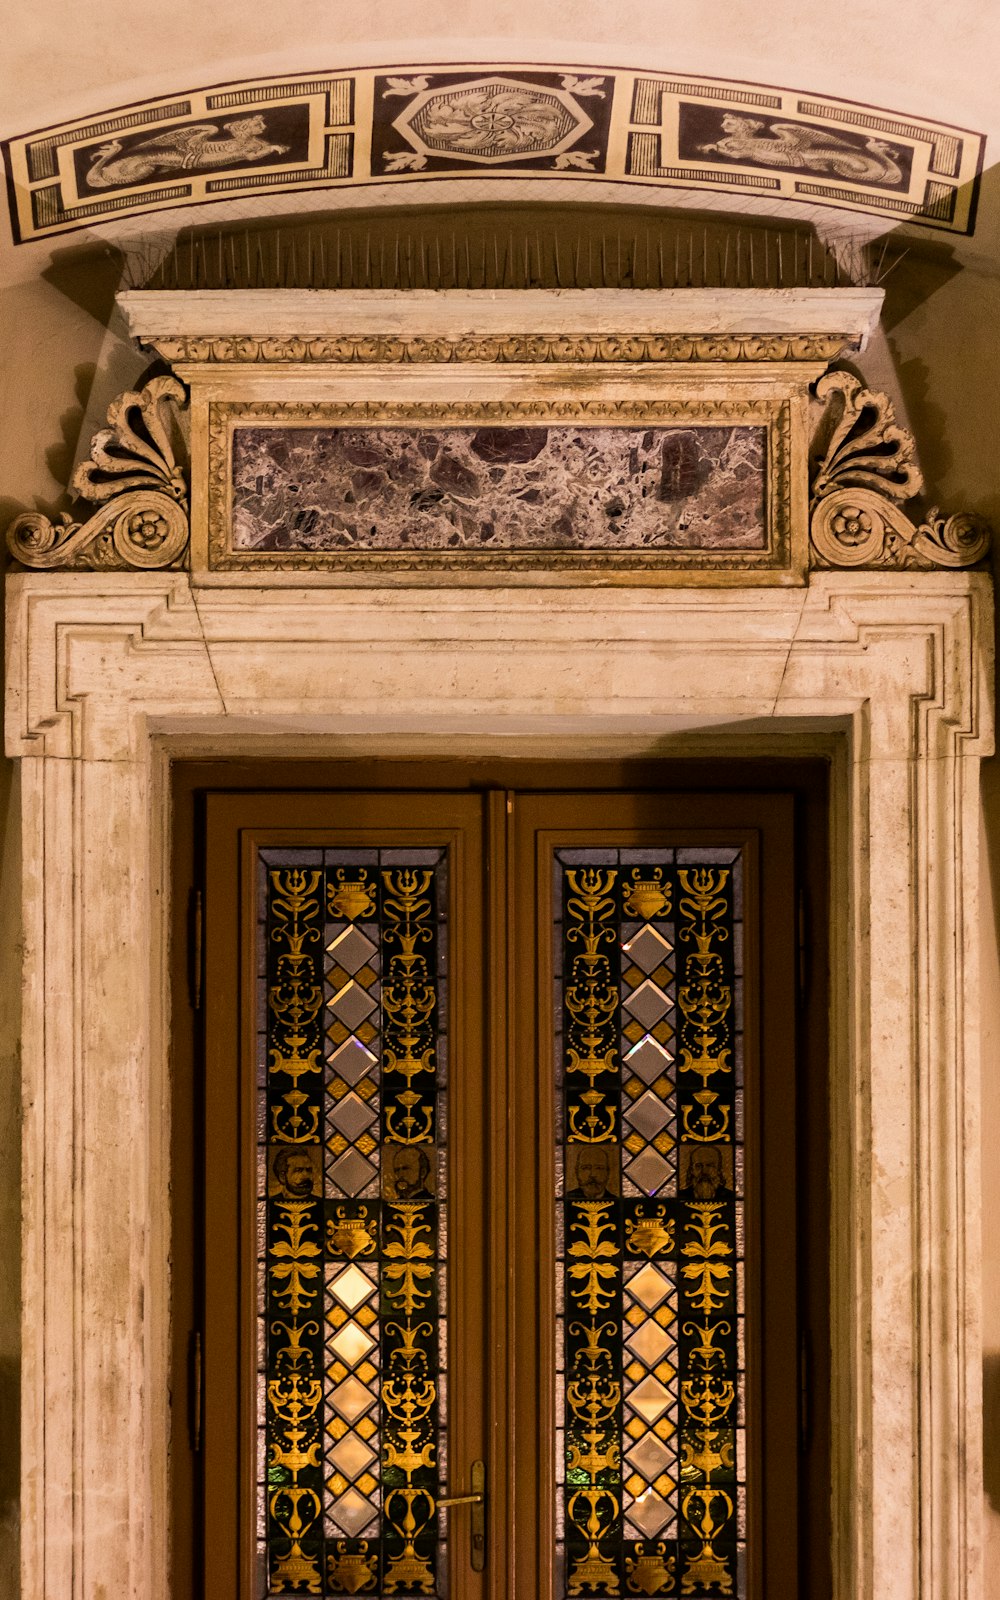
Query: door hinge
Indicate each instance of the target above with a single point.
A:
(197, 947)
(803, 943)
(196, 1388)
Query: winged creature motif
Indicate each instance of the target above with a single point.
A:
(795, 144)
(199, 144)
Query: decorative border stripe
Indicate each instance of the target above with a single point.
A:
(411, 124)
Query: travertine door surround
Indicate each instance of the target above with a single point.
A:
(113, 675)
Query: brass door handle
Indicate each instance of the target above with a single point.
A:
(477, 1500)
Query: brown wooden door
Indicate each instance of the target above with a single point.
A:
(504, 1113)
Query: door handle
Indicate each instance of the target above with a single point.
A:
(477, 1500)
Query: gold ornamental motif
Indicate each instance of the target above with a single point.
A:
(354, 1571)
(647, 897)
(704, 998)
(352, 1236)
(295, 997)
(594, 1511)
(707, 1511)
(650, 1572)
(409, 994)
(350, 898)
(591, 1000)
(708, 1267)
(595, 1265)
(650, 1234)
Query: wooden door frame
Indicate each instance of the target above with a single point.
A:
(746, 790)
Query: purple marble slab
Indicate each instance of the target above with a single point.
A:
(499, 488)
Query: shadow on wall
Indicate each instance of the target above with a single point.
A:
(991, 1426)
(942, 320)
(942, 317)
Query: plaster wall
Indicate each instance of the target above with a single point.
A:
(60, 364)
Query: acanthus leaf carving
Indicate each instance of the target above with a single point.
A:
(865, 474)
(133, 474)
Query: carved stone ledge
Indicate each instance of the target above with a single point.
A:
(133, 473)
(522, 348)
(866, 472)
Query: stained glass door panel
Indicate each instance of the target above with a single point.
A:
(352, 1204)
(650, 1303)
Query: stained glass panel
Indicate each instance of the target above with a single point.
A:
(649, 1224)
(351, 1223)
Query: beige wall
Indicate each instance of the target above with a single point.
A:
(941, 354)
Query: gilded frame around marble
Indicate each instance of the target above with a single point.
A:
(784, 559)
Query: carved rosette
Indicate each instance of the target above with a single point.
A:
(866, 473)
(142, 521)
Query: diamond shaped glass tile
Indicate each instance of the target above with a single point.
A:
(649, 1457)
(351, 948)
(352, 1004)
(351, 1116)
(648, 948)
(352, 1172)
(647, 1003)
(647, 1058)
(649, 1398)
(352, 1060)
(352, 1512)
(649, 1514)
(352, 1343)
(648, 1115)
(352, 1456)
(351, 1287)
(649, 1343)
(352, 1399)
(649, 1171)
(649, 1287)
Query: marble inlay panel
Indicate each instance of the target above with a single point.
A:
(499, 488)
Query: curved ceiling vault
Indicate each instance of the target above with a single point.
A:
(401, 126)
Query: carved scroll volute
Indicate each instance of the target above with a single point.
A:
(132, 472)
(866, 472)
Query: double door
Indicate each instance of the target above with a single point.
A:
(499, 1273)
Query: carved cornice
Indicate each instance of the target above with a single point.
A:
(515, 348)
(866, 472)
(143, 517)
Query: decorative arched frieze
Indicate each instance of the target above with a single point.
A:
(649, 130)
